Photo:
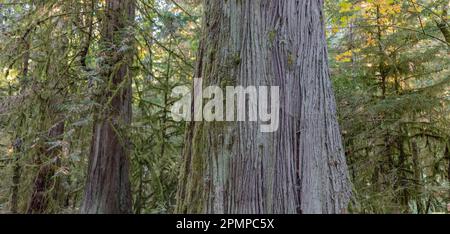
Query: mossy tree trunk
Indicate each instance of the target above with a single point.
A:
(108, 184)
(443, 24)
(232, 167)
(17, 144)
(46, 187)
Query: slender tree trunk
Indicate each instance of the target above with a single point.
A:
(447, 155)
(443, 24)
(89, 23)
(17, 145)
(17, 168)
(417, 176)
(139, 194)
(108, 185)
(45, 185)
(402, 178)
(233, 167)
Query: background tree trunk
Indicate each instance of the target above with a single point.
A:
(443, 24)
(45, 185)
(233, 167)
(17, 144)
(108, 185)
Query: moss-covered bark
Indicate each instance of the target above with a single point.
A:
(108, 184)
(233, 167)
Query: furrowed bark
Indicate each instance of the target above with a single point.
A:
(234, 168)
(108, 186)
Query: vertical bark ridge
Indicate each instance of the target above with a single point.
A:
(108, 185)
(234, 168)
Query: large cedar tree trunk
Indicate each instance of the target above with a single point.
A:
(233, 167)
(108, 185)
